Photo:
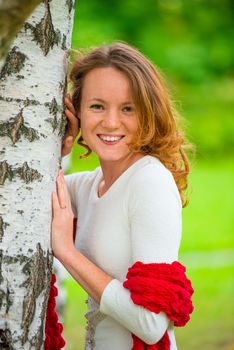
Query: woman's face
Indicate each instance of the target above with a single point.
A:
(108, 115)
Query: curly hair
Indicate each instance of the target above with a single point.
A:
(159, 133)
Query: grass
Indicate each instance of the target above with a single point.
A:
(211, 324)
(74, 327)
(208, 221)
(208, 227)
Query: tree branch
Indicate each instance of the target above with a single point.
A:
(13, 14)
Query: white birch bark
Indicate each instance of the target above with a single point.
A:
(32, 84)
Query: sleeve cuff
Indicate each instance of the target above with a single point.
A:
(116, 303)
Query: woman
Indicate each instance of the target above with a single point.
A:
(129, 209)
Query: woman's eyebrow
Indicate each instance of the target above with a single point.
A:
(103, 101)
(128, 103)
(96, 99)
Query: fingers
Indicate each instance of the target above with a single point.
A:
(72, 128)
(70, 110)
(68, 142)
(63, 194)
(55, 203)
(69, 104)
(67, 145)
(72, 119)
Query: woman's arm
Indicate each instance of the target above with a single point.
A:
(88, 275)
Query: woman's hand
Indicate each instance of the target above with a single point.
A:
(62, 222)
(72, 128)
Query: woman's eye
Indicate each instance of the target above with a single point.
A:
(96, 106)
(128, 109)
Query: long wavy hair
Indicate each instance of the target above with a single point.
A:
(160, 132)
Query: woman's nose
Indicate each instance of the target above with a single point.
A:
(111, 120)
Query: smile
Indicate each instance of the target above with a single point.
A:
(110, 138)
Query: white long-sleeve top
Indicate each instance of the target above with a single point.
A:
(137, 219)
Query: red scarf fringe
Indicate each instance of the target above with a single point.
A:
(160, 287)
(53, 328)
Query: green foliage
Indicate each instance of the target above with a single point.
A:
(190, 41)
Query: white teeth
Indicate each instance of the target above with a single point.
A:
(110, 138)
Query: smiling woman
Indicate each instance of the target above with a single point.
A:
(128, 210)
(108, 119)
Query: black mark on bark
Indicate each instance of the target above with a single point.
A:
(29, 102)
(5, 339)
(63, 122)
(61, 85)
(1, 277)
(26, 173)
(16, 128)
(54, 108)
(64, 44)
(5, 172)
(62, 126)
(14, 62)
(6, 300)
(1, 300)
(3, 226)
(1, 229)
(70, 5)
(39, 274)
(9, 299)
(26, 102)
(44, 33)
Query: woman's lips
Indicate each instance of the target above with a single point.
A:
(109, 139)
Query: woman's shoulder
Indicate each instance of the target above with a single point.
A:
(152, 178)
(152, 170)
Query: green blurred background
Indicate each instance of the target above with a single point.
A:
(192, 44)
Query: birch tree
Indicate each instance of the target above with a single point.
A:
(32, 86)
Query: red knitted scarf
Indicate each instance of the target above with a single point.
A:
(53, 329)
(160, 287)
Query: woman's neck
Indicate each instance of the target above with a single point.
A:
(113, 170)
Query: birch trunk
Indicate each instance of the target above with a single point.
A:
(32, 85)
